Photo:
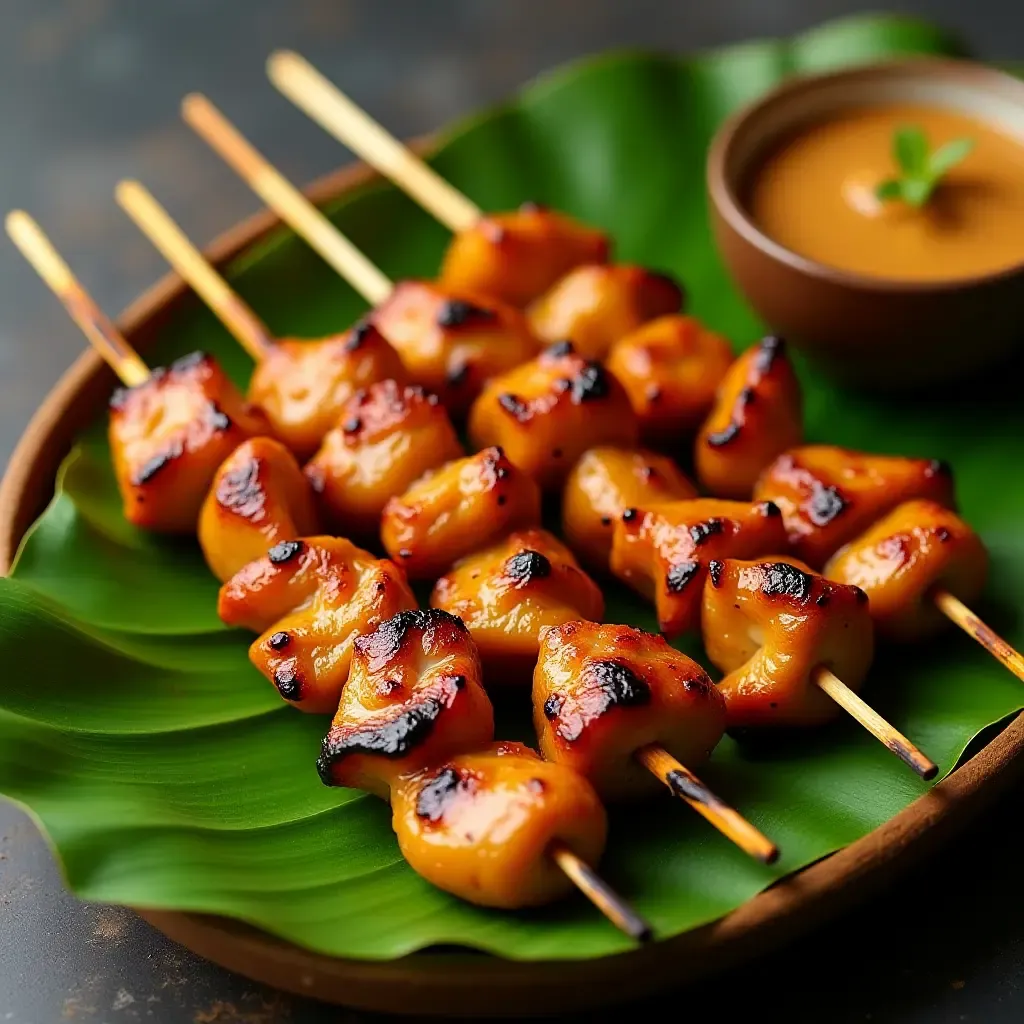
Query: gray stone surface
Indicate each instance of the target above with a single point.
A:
(88, 93)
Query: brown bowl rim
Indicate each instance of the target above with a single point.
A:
(472, 985)
(731, 209)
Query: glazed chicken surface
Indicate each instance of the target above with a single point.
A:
(302, 386)
(170, 434)
(452, 342)
(671, 368)
(758, 413)
(547, 412)
(829, 495)
(387, 437)
(258, 498)
(310, 599)
(414, 698)
(596, 305)
(603, 484)
(601, 693)
(457, 509)
(516, 256)
(663, 552)
(769, 625)
(903, 558)
(507, 593)
(482, 825)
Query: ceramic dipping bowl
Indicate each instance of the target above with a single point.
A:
(867, 331)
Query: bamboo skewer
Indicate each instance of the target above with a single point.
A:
(874, 723)
(190, 263)
(597, 890)
(684, 784)
(955, 610)
(285, 199)
(326, 104)
(104, 337)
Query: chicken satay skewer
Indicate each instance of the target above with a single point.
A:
(956, 611)
(231, 309)
(450, 339)
(104, 337)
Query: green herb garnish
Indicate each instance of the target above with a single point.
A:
(920, 170)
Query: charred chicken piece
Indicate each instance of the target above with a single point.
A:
(769, 625)
(547, 412)
(830, 495)
(595, 306)
(457, 509)
(903, 558)
(602, 693)
(482, 825)
(603, 484)
(258, 498)
(302, 386)
(414, 697)
(310, 599)
(507, 593)
(758, 414)
(169, 435)
(664, 551)
(453, 342)
(519, 255)
(671, 368)
(387, 437)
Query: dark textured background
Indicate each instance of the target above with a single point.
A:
(89, 92)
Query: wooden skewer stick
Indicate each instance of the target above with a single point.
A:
(108, 341)
(600, 893)
(684, 784)
(189, 262)
(285, 199)
(326, 104)
(954, 609)
(874, 723)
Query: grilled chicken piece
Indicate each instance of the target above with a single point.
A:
(482, 825)
(414, 697)
(457, 509)
(769, 625)
(387, 437)
(546, 413)
(758, 414)
(451, 342)
(302, 386)
(671, 368)
(519, 255)
(506, 594)
(603, 484)
(601, 693)
(596, 305)
(900, 560)
(663, 551)
(168, 436)
(258, 498)
(830, 495)
(310, 599)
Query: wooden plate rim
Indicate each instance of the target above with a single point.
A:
(479, 985)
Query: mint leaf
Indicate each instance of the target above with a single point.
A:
(916, 191)
(910, 148)
(948, 156)
(891, 188)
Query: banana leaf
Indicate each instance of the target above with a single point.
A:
(167, 773)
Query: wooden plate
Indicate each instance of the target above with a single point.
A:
(475, 984)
